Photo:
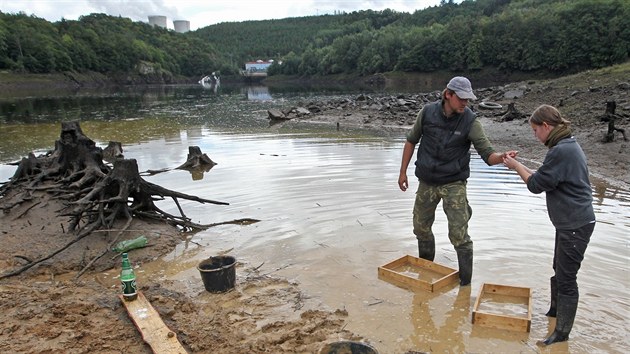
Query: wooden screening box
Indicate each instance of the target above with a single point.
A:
(416, 272)
(503, 307)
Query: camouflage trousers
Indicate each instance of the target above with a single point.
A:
(455, 205)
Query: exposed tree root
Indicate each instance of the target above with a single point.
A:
(94, 194)
(109, 247)
(49, 256)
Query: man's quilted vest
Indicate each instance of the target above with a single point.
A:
(444, 152)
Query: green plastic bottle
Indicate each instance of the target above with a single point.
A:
(128, 245)
(128, 280)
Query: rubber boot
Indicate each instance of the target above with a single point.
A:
(554, 297)
(426, 250)
(465, 260)
(565, 314)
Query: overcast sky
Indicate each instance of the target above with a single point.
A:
(203, 13)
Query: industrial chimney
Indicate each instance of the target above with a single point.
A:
(181, 26)
(159, 21)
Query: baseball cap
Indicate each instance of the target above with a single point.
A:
(462, 87)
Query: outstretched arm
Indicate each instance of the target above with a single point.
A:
(511, 163)
(496, 158)
(484, 147)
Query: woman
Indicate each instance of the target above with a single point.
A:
(564, 178)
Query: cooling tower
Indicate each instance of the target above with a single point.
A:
(159, 21)
(181, 26)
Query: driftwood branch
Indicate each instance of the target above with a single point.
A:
(45, 258)
(109, 247)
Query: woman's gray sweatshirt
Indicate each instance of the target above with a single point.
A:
(564, 177)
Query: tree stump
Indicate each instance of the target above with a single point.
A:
(610, 116)
(113, 151)
(197, 163)
(512, 114)
(197, 160)
(95, 194)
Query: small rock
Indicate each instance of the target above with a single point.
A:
(275, 114)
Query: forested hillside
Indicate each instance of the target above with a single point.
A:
(511, 35)
(100, 43)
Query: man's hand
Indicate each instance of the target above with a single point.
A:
(511, 153)
(403, 184)
(497, 158)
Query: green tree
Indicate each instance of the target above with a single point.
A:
(524, 35)
(425, 52)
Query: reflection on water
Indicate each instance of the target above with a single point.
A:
(258, 93)
(440, 321)
(513, 306)
(331, 213)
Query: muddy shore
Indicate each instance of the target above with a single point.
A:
(46, 309)
(582, 99)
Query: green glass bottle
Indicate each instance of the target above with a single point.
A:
(128, 280)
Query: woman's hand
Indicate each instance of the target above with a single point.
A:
(510, 162)
(524, 172)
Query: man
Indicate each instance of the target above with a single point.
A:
(445, 130)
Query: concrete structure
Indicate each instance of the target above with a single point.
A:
(159, 21)
(256, 70)
(258, 66)
(181, 26)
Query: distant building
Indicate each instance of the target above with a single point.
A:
(157, 21)
(258, 66)
(181, 26)
(256, 70)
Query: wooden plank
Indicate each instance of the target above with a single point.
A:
(446, 281)
(403, 279)
(529, 309)
(397, 263)
(506, 290)
(432, 266)
(153, 330)
(501, 322)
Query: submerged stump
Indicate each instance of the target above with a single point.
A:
(197, 160)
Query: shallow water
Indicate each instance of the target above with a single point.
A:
(331, 213)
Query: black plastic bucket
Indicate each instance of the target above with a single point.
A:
(218, 273)
(347, 347)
